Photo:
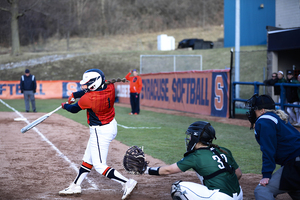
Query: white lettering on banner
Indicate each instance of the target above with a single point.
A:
(123, 90)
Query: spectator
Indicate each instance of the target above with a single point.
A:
(28, 88)
(297, 110)
(214, 166)
(280, 79)
(135, 90)
(291, 97)
(280, 144)
(272, 81)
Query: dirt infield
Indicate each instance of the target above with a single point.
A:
(43, 161)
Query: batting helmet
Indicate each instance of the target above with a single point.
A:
(199, 131)
(93, 79)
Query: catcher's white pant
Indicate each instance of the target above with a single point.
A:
(98, 144)
(194, 191)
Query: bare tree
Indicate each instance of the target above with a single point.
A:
(15, 14)
(90, 18)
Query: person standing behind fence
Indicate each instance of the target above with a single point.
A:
(28, 88)
(280, 79)
(297, 110)
(135, 90)
(291, 97)
(272, 81)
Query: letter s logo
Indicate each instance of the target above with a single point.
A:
(219, 95)
(71, 87)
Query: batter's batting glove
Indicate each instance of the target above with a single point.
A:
(71, 99)
(63, 105)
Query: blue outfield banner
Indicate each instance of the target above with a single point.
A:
(220, 94)
(201, 92)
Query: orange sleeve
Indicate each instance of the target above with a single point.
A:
(128, 76)
(84, 102)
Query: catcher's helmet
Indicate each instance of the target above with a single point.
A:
(199, 131)
(93, 79)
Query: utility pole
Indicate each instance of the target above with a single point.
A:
(237, 47)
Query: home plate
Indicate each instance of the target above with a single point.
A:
(19, 119)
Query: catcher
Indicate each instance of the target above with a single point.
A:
(214, 165)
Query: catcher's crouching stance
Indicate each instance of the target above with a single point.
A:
(214, 165)
(97, 97)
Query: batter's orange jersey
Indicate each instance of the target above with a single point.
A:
(136, 84)
(99, 105)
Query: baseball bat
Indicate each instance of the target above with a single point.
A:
(39, 120)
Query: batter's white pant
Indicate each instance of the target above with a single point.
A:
(195, 191)
(98, 144)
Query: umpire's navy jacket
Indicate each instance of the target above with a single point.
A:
(28, 83)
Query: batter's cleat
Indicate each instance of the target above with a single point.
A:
(130, 113)
(128, 188)
(72, 189)
(135, 114)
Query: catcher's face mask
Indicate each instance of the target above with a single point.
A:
(199, 131)
(191, 139)
(256, 103)
(251, 113)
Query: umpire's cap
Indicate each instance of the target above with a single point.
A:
(264, 101)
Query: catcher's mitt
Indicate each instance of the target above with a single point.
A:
(134, 161)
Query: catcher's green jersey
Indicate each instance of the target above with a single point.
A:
(205, 162)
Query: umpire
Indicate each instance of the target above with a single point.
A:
(280, 145)
(28, 88)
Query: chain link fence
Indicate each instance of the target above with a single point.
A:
(169, 63)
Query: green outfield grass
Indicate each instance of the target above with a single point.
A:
(166, 143)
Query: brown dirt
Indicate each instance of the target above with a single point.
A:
(32, 168)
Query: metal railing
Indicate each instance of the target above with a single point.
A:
(256, 86)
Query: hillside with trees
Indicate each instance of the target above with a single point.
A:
(39, 20)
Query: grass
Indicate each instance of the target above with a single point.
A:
(168, 142)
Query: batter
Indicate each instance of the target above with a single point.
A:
(97, 99)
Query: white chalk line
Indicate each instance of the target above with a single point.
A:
(72, 165)
(127, 127)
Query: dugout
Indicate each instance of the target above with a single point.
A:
(283, 51)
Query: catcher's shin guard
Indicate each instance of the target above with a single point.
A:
(177, 193)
